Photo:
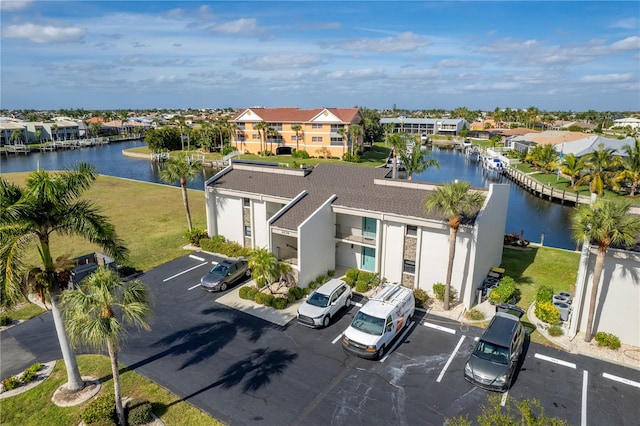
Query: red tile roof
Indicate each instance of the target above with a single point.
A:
(296, 115)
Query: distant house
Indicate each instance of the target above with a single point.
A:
(335, 217)
(322, 132)
(576, 143)
(632, 122)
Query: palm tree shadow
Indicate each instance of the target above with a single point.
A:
(253, 327)
(256, 370)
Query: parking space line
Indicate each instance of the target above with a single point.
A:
(400, 339)
(439, 327)
(555, 360)
(621, 380)
(184, 272)
(192, 287)
(333, 342)
(201, 259)
(359, 305)
(503, 401)
(450, 359)
(585, 381)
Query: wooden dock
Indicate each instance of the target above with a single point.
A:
(545, 191)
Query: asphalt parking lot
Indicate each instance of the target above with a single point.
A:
(243, 370)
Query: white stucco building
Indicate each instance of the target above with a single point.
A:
(335, 217)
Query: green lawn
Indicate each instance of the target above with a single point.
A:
(34, 407)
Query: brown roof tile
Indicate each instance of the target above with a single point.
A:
(296, 115)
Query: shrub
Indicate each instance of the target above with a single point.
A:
(351, 276)
(321, 280)
(300, 154)
(313, 285)
(30, 374)
(139, 412)
(362, 286)
(218, 244)
(547, 312)
(555, 331)
(227, 149)
(5, 320)
(544, 294)
(265, 153)
(438, 290)
(195, 235)
(264, 298)
(608, 340)
(101, 409)
(296, 292)
(474, 315)
(279, 303)
(248, 292)
(351, 158)
(421, 297)
(504, 292)
(11, 383)
(331, 273)
(291, 298)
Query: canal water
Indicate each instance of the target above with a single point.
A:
(540, 220)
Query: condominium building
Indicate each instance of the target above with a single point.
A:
(322, 132)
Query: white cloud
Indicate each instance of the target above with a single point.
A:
(270, 62)
(404, 42)
(627, 24)
(240, 26)
(45, 34)
(361, 74)
(11, 5)
(456, 63)
(629, 43)
(607, 78)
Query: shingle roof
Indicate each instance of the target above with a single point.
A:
(354, 187)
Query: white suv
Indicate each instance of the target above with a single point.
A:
(324, 303)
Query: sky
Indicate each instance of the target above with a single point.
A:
(551, 55)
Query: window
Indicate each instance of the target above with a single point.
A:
(240, 126)
(336, 127)
(316, 126)
(276, 126)
(409, 266)
(412, 230)
(255, 136)
(245, 202)
(337, 141)
(317, 139)
(247, 231)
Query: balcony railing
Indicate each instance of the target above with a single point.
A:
(355, 235)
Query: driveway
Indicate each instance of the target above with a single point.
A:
(244, 370)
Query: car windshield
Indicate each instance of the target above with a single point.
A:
(491, 352)
(317, 299)
(219, 270)
(368, 324)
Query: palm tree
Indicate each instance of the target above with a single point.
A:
(271, 134)
(605, 223)
(97, 312)
(95, 128)
(355, 135)
(179, 121)
(398, 144)
(417, 160)
(454, 200)
(343, 132)
(54, 128)
(264, 266)
(262, 127)
(181, 169)
(16, 136)
(631, 164)
(49, 204)
(601, 164)
(572, 167)
(298, 129)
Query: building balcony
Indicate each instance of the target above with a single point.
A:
(355, 235)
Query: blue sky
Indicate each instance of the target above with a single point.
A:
(161, 54)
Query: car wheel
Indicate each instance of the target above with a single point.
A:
(382, 351)
(223, 286)
(325, 321)
(347, 303)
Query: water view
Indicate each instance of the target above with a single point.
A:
(540, 220)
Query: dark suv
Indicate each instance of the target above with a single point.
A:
(225, 273)
(495, 356)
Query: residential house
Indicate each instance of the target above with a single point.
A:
(335, 217)
(322, 131)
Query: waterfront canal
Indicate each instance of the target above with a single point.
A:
(538, 218)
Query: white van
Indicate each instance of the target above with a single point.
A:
(379, 321)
